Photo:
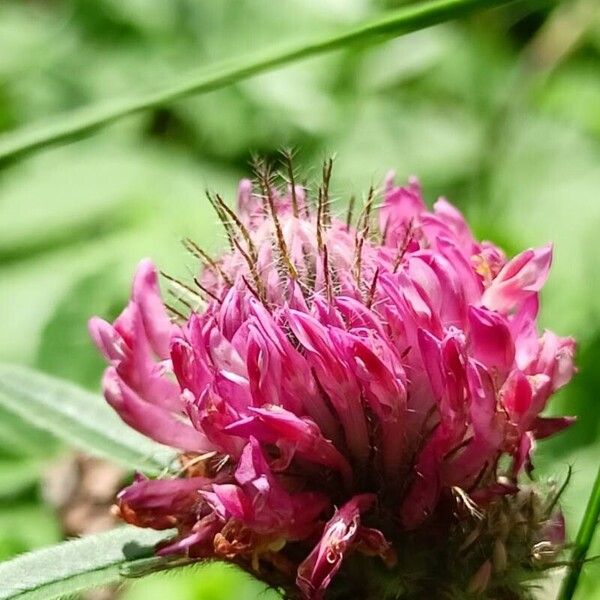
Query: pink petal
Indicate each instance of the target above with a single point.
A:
(401, 207)
(275, 425)
(149, 419)
(518, 280)
(146, 295)
(491, 339)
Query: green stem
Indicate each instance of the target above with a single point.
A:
(83, 121)
(582, 543)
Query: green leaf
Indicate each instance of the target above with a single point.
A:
(78, 417)
(75, 566)
(583, 542)
(19, 439)
(65, 334)
(26, 527)
(18, 477)
(83, 121)
(206, 581)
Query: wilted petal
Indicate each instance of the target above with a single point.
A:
(544, 427)
(317, 571)
(161, 503)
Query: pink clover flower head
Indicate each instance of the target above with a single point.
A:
(347, 385)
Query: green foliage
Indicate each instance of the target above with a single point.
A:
(77, 417)
(497, 112)
(25, 526)
(74, 566)
(212, 581)
(86, 120)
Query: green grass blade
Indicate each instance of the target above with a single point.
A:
(78, 417)
(85, 120)
(78, 565)
(582, 542)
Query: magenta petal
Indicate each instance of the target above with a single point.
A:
(555, 359)
(146, 295)
(275, 425)
(401, 207)
(522, 457)
(229, 500)
(127, 348)
(162, 494)
(521, 277)
(107, 340)
(491, 340)
(202, 534)
(153, 421)
(424, 493)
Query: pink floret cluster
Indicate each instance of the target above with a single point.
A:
(336, 382)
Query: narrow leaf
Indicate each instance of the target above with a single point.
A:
(582, 543)
(85, 120)
(77, 565)
(78, 417)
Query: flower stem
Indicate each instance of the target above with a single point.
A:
(582, 542)
(83, 121)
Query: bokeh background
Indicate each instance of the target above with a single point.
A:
(499, 112)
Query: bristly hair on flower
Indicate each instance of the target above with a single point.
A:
(355, 401)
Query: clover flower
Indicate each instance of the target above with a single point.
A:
(354, 404)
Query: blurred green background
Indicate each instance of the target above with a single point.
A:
(500, 113)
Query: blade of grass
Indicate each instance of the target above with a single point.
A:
(582, 543)
(83, 121)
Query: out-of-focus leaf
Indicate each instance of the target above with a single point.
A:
(77, 417)
(215, 581)
(66, 350)
(435, 142)
(545, 188)
(88, 119)
(144, 201)
(573, 95)
(17, 477)
(75, 566)
(19, 438)
(406, 58)
(24, 528)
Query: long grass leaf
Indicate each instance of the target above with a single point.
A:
(81, 122)
(583, 541)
